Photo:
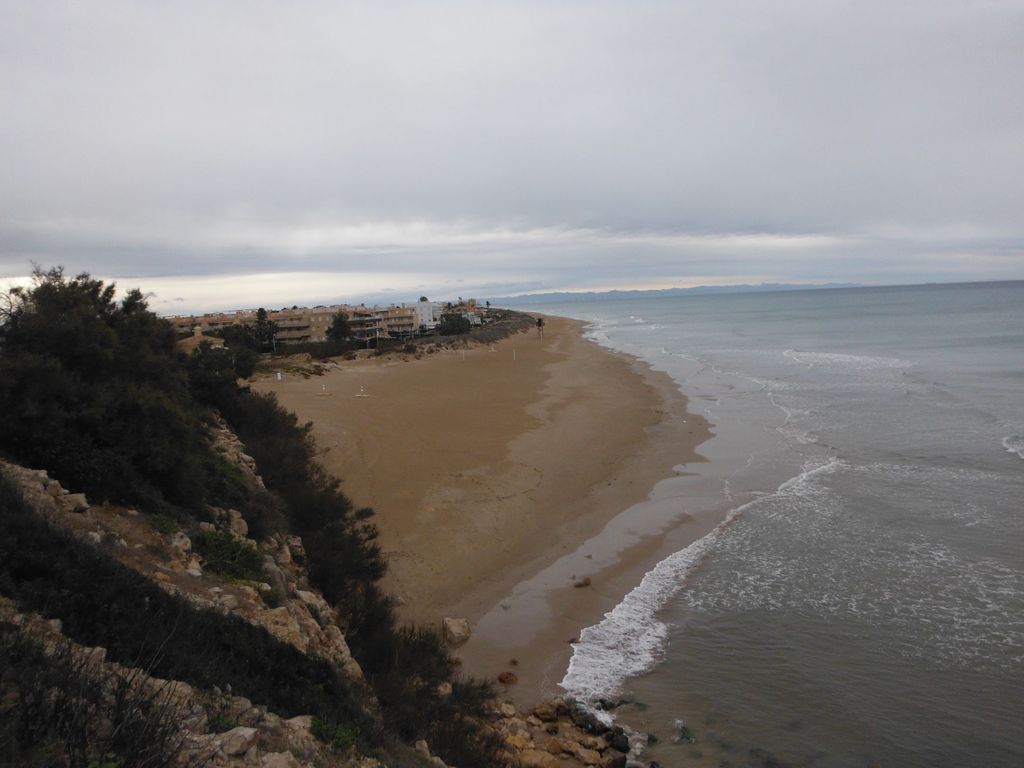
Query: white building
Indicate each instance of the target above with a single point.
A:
(428, 313)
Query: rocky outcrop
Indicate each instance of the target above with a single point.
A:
(287, 605)
(261, 738)
(226, 442)
(558, 733)
(456, 631)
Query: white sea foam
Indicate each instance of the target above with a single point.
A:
(630, 639)
(1014, 444)
(845, 362)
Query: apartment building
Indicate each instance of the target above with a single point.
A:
(303, 324)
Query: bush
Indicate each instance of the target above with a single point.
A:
(56, 708)
(219, 722)
(340, 738)
(95, 391)
(227, 554)
(452, 325)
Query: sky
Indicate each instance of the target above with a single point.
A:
(235, 154)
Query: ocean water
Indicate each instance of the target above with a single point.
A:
(863, 602)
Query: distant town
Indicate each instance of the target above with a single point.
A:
(367, 325)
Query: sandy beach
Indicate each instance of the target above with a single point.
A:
(495, 473)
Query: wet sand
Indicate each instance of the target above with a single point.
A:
(500, 475)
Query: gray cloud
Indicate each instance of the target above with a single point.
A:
(550, 145)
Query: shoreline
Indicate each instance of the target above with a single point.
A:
(498, 475)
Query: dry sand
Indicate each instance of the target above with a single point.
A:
(487, 465)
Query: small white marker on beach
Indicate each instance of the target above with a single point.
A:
(492, 349)
(279, 377)
(362, 392)
(513, 353)
(463, 354)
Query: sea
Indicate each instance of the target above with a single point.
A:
(861, 602)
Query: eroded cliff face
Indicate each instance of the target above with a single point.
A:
(284, 604)
(217, 728)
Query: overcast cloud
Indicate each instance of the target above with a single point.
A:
(288, 152)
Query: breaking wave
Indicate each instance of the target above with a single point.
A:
(845, 362)
(1014, 444)
(630, 639)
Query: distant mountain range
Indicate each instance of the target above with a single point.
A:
(565, 297)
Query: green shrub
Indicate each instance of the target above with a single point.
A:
(95, 391)
(340, 738)
(59, 709)
(452, 325)
(165, 524)
(224, 553)
(220, 722)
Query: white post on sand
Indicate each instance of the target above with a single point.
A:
(513, 353)
(463, 354)
(279, 377)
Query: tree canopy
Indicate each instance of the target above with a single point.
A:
(265, 330)
(452, 324)
(340, 328)
(94, 390)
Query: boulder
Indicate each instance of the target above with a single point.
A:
(586, 756)
(297, 549)
(75, 502)
(585, 719)
(553, 746)
(617, 739)
(300, 724)
(444, 689)
(283, 557)
(546, 712)
(237, 524)
(579, 583)
(456, 631)
(247, 592)
(282, 625)
(314, 602)
(535, 758)
(592, 742)
(181, 542)
(228, 601)
(423, 748)
(613, 760)
(518, 740)
(238, 740)
(508, 678)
